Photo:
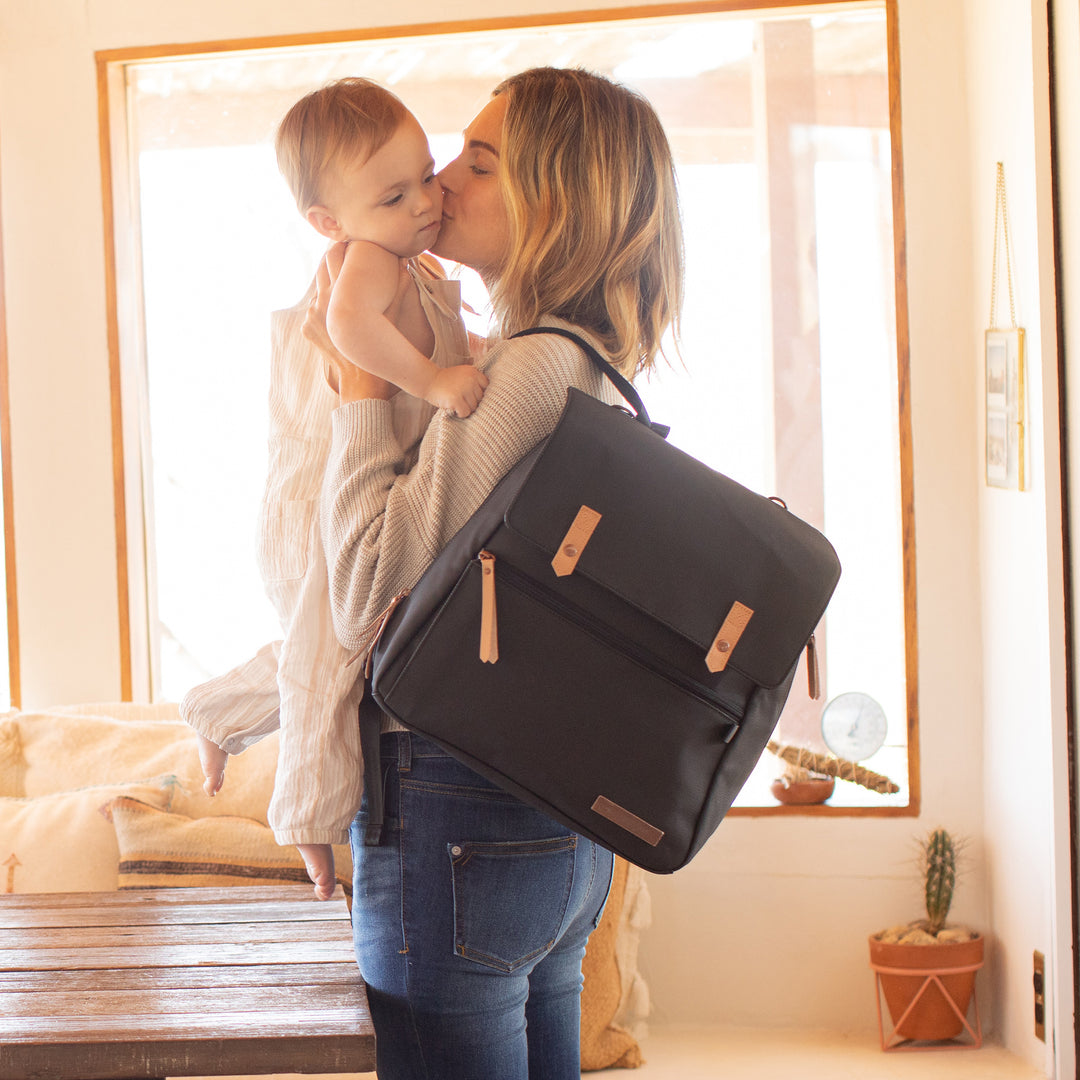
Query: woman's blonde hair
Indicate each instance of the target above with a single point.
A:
(347, 119)
(589, 184)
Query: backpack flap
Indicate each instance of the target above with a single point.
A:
(727, 569)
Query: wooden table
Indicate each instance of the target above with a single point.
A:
(179, 982)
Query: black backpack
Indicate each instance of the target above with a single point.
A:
(610, 637)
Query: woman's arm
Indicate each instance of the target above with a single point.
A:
(382, 526)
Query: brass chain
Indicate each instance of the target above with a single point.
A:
(1001, 217)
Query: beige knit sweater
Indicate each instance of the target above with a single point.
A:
(383, 525)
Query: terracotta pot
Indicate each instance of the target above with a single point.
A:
(932, 1018)
(802, 792)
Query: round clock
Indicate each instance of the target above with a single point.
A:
(853, 726)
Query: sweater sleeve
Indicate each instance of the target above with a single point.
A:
(382, 525)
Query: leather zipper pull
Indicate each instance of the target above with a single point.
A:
(489, 626)
(813, 675)
(380, 625)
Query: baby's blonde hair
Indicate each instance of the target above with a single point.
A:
(349, 118)
(595, 235)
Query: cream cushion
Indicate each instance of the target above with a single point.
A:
(62, 842)
(162, 849)
(122, 710)
(62, 749)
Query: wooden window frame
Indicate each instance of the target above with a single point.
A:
(12, 606)
(110, 97)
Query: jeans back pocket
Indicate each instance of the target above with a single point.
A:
(510, 898)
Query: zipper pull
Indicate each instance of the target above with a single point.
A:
(489, 627)
(380, 625)
(813, 675)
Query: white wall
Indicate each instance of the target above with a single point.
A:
(60, 424)
(770, 890)
(768, 926)
(1020, 549)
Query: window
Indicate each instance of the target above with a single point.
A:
(790, 374)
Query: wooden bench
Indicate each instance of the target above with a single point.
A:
(179, 982)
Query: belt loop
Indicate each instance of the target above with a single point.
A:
(404, 751)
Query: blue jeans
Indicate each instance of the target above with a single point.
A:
(470, 922)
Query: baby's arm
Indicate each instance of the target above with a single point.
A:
(371, 279)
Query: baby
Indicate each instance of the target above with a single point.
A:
(309, 677)
(358, 164)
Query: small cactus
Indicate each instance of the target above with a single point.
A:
(939, 868)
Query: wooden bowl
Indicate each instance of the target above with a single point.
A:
(803, 792)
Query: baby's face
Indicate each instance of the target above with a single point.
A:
(393, 198)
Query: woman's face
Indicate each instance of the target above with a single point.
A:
(475, 228)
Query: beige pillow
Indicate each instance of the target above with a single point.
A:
(604, 1043)
(58, 750)
(163, 849)
(62, 842)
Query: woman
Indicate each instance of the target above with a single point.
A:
(471, 918)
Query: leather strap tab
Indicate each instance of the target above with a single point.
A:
(489, 626)
(727, 637)
(622, 817)
(573, 543)
(813, 674)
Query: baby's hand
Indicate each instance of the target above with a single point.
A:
(213, 760)
(457, 388)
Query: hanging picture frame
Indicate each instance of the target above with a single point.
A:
(1005, 377)
(1005, 463)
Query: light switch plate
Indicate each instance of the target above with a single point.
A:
(1038, 982)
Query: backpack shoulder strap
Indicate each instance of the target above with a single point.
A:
(619, 381)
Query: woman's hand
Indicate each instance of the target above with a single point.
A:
(319, 860)
(347, 380)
